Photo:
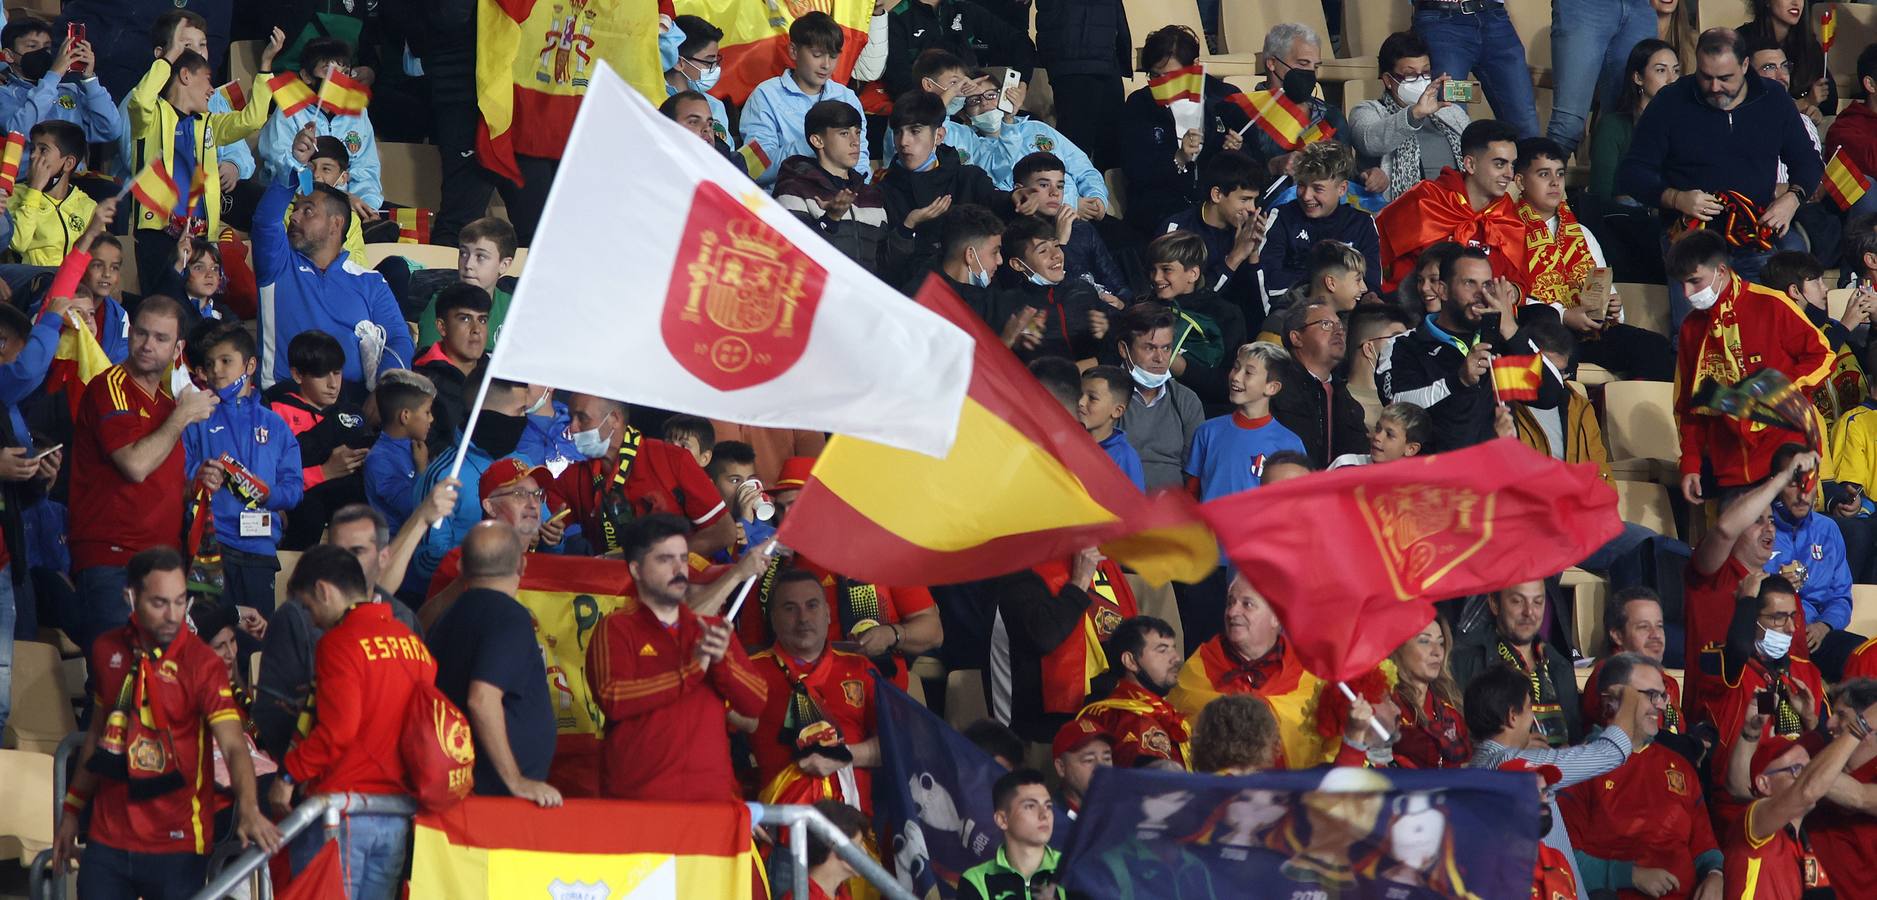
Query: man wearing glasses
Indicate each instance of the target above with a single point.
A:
(1316, 404)
(1644, 826)
(627, 475)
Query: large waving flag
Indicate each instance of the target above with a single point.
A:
(1408, 533)
(722, 303)
(755, 41)
(498, 848)
(535, 61)
(1023, 484)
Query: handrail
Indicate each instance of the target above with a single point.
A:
(41, 872)
(799, 820)
(328, 806)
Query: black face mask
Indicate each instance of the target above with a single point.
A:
(1544, 819)
(498, 434)
(1299, 84)
(36, 64)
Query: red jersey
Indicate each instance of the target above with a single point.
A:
(1772, 869)
(364, 671)
(1730, 708)
(1748, 328)
(1707, 610)
(1142, 725)
(190, 693)
(1863, 661)
(893, 604)
(666, 736)
(1552, 878)
(663, 478)
(113, 517)
(1648, 812)
(1592, 701)
(1436, 739)
(841, 685)
(1845, 841)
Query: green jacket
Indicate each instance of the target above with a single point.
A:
(498, 310)
(996, 880)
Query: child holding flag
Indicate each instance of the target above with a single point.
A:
(325, 96)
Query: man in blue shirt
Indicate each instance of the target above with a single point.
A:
(1808, 550)
(772, 118)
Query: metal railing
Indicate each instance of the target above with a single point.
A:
(799, 820)
(331, 807)
(42, 882)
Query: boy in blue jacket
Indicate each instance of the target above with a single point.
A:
(400, 452)
(247, 457)
(308, 283)
(36, 89)
(361, 144)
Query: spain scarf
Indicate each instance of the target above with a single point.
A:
(1559, 263)
(135, 746)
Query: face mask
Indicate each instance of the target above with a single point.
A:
(1773, 644)
(980, 277)
(1037, 279)
(706, 78)
(669, 37)
(989, 121)
(1544, 819)
(591, 443)
(498, 434)
(233, 391)
(36, 64)
(1410, 91)
(1704, 298)
(1148, 379)
(1299, 84)
(953, 107)
(539, 404)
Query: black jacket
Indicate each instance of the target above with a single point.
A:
(1475, 654)
(1156, 189)
(1682, 142)
(973, 33)
(1322, 414)
(804, 188)
(1423, 368)
(1083, 37)
(905, 190)
(1067, 332)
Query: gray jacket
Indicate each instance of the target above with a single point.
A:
(1162, 433)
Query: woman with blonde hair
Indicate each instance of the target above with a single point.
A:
(1433, 732)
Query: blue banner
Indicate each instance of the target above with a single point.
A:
(932, 796)
(1321, 834)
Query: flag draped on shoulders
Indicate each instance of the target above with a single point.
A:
(1438, 210)
(755, 44)
(535, 61)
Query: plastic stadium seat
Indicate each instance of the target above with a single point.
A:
(1646, 504)
(42, 711)
(964, 697)
(1836, 300)
(1367, 25)
(1147, 16)
(1863, 610)
(1639, 419)
(1588, 594)
(25, 804)
(412, 174)
(423, 256)
(288, 559)
(1645, 306)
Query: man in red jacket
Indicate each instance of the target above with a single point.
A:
(662, 674)
(365, 670)
(627, 474)
(1854, 132)
(1734, 330)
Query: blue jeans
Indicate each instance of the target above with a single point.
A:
(107, 873)
(375, 848)
(8, 613)
(1590, 44)
(102, 605)
(1485, 46)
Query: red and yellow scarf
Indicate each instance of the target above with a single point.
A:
(1559, 263)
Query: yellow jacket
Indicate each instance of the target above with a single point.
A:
(354, 238)
(1854, 448)
(153, 124)
(43, 228)
(1583, 437)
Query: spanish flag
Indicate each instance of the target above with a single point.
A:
(343, 95)
(755, 44)
(1828, 28)
(233, 93)
(78, 359)
(1844, 184)
(489, 847)
(1273, 112)
(755, 158)
(1321, 131)
(1518, 377)
(1022, 484)
(10, 160)
(1180, 84)
(290, 93)
(413, 224)
(155, 188)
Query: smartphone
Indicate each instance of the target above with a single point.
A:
(1011, 80)
(1459, 91)
(47, 452)
(75, 32)
(1767, 702)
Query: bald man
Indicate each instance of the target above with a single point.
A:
(489, 665)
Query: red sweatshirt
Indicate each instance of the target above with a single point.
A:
(1855, 131)
(363, 674)
(666, 736)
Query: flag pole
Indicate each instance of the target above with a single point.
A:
(1380, 730)
(742, 593)
(475, 413)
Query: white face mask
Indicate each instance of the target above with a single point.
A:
(980, 276)
(1147, 379)
(538, 404)
(1773, 644)
(989, 121)
(591, 443)
(1704, 298)
(1409, 91)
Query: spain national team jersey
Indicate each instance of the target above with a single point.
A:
(1773, 869)
(190, 692)
(112, 516)
(841, 685)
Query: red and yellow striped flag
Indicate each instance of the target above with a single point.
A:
(755, 40)
(1321, 131)
(1844, 184)
(198, 188)
(755, 158)
(233, 93)
(290, 93)
(1518, 377)
(1273, 112)
(10, 160)
(156, 189)
(414, 224)
(1180, 84)
(78, 359)
(488, 847)
(1828, 28)
(343, 95)
(1043, 491)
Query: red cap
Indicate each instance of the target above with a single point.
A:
(507, 472)
(794, 474)
(1075, 735)
(1550, 774)
(1772, 747)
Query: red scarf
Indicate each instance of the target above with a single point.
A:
(1438, 210)
(1560, 263)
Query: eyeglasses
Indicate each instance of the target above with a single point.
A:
(1771, 67)
(711, 63)
(1793, 769)
(1779, 618)
(534, 495)
(1327, 325)
(1656, 697)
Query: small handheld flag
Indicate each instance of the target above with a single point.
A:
(1276, 115)
(155, 188)
(198, 188)
(755, 158)
(233, 93)
(10, 160)
(1180, 84)
(343, 95)
(290, 93)
(1518, 377)
(1828, 28)
(414, 225)
(1844, 184)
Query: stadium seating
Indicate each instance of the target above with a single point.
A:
(1639, 421)
(1863, 610)
(412, 174)
(26, 803)
(1647, 504)
(1645, 306)
(42, 711)
(288, 559)
(964, 697)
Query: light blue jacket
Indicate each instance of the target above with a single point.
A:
(85, 104)
(355, 132)
(259, 439)
(1025, 136)
(773, 119)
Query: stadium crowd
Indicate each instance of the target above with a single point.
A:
(1228, 282)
